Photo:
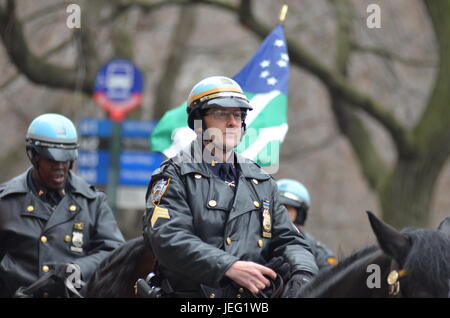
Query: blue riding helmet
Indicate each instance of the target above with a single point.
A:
(215, 91)
(52, 136)
(295, 194)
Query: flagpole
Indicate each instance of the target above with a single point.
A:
(283, 13)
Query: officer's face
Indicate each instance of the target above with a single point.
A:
(52, 174)
(292, 212)
(224, 126)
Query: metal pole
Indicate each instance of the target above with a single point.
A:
(114, 167)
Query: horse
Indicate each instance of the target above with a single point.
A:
(116, 275)
(411, 263)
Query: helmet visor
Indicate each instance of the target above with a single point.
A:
(290, 199)
(57, 154)
(227, 102)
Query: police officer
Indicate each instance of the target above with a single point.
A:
(213, 218)
(49, 217)
(296, 199)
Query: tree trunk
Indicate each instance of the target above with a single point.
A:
(408, 192)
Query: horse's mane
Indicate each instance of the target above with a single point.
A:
(428, 262)
(333, 273)
(116, 270)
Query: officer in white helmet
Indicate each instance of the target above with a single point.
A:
(52, 221)
(213, 219)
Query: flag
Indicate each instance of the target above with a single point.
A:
(264, 81)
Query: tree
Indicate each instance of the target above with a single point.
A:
(405, 190)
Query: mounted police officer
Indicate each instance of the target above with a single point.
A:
(49, 217)
(296, 199)
(213, 218)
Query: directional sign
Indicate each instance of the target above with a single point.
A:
(118, 88)
(136, 162)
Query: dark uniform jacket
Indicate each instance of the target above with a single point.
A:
(323, 255)
(34, 239)
(198, 226)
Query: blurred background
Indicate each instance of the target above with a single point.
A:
(369, 122)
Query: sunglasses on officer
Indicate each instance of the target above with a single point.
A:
(223, 114)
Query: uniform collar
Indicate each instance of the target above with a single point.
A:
(190, 161)
(19, 185)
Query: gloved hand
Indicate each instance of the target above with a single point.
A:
(297, 281)
(280, 266)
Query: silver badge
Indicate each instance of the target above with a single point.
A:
(77, 242)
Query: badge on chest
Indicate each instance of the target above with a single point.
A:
(267, 222)
(77, 237)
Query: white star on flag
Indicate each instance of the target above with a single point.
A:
(284, 56)
(279, 43)
(265, 63)
(281, 63)
(272, 81)
(264, 74)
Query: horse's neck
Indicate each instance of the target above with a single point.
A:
(353, 280)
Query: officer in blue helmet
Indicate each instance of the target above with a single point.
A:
(296, 199)
(52, 221)
(213, 219)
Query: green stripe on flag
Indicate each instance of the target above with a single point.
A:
(161, 138)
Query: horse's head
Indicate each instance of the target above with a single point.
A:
(420, 259)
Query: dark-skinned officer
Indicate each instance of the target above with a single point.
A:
(49, 217)
(213, 218)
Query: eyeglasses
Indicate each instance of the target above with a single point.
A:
(224, 114)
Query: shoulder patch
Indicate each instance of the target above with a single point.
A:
(158, 190)
(159, 212)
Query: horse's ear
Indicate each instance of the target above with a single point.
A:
(391, 241)
(445, 226)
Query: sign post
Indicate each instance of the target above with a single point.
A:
(118, 90)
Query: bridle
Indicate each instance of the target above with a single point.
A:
(393, 279)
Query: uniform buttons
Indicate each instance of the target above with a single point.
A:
(45, 268)
(229, 240)
(255, 181)
(197, 176)
(260, 243)
(72, 208)
(241, 290)
(257, 204)
(212, 295)
(67, 238)
(44, 239)
(30, 208)
(238, 296)
(212, 203)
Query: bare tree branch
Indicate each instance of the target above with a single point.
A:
(383, 53)
(36, 69)
(347, 118)
(177, 52)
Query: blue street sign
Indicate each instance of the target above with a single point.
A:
(92, 166)
(136, 166)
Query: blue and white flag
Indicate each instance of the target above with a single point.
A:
(265, 81)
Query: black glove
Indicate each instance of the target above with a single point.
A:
(297, 281)
(280, 266)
